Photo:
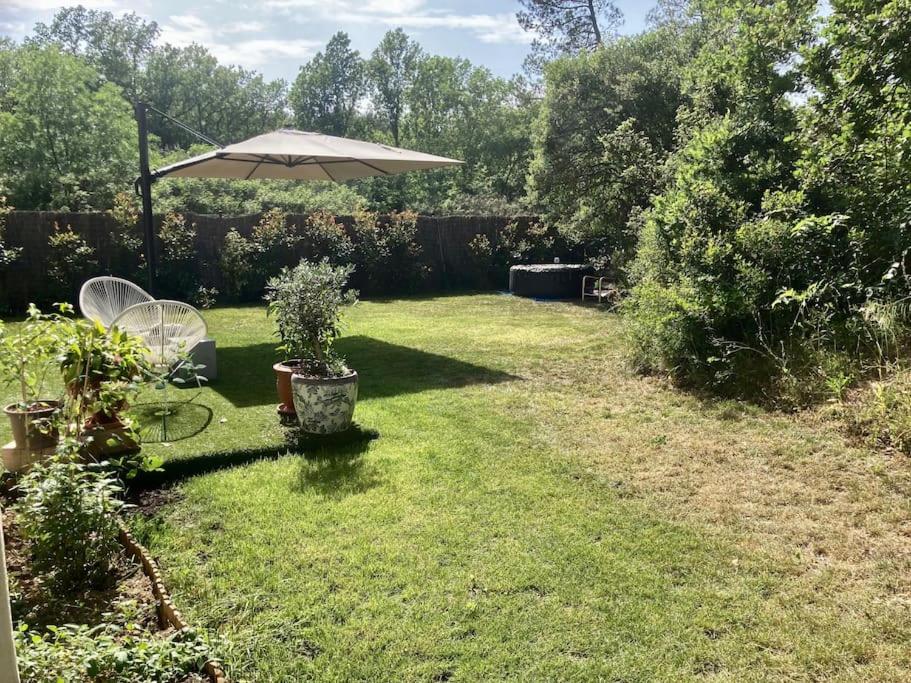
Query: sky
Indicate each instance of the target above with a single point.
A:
(276, 36)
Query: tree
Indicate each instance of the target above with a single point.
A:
(227, 103)
(392, 69)
(857, 138)
(67, 139)
(731, 231)
(117, 46)
(567, 26)
(328, 89)
(606, 124)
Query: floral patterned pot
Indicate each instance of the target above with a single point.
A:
(324, 405)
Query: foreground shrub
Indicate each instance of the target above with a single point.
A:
(112, 653)
(67, 516)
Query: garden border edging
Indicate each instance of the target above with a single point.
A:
(167, 612)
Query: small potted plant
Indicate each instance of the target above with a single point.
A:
(306, 302)
(26, 357)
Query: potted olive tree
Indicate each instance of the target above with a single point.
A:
(26, 357)
(306, 303)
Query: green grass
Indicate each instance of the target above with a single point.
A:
(529, 509)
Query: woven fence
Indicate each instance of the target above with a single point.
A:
(448, 259)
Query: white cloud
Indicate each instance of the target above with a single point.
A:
(488, 28)
(51, 5)
(243, 27)
(184, 29)
(258, 52)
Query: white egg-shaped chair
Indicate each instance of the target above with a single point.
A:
(168, 328)
(104, 298)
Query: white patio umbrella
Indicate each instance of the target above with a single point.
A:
(295, 155)
(284, 155)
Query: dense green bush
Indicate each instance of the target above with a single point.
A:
(70, 263)
(67, 517)
(236, 264)
(324, 237)
(774, 259)
(387, 257)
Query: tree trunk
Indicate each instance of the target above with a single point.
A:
(593, 16)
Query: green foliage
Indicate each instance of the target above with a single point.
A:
(178, 270)
(227, 103)
(101, 368)
(324, 237)
(235, 261)
(7, 254)
(328, 88)
(27, 354)
(386, 254)
(71, 261)
(116, 46)
(273, 242)
(306, 303)
(66, 514)
(111, 652)
(126, 214)
(731, 231)
(604, 129)
(567, 27)
(392, 71)
(67, 138)
(231, 197)
(881, 413)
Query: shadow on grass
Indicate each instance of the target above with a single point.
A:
(335, 454)
(170, 421)
(246, 378)
(337, 471)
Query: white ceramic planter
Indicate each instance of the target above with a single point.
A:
(324, 406)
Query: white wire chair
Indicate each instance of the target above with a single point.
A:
(168, 328)
(104, 298)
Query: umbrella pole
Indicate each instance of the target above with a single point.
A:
(144, 187)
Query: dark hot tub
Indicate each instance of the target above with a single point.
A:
(548, 280)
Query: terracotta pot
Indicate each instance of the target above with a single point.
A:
(26, 432)
(324, 405)
(283, 372)
(103, 440)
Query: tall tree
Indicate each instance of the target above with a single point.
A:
(117, 46)
(226, 102)
(67, 139)
(328, 89)
(567, 26)
(392, 69)
(606, 120)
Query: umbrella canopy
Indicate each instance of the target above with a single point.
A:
(296, 155)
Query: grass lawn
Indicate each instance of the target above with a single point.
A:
(530, 509)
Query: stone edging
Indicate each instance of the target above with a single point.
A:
(167, 613)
